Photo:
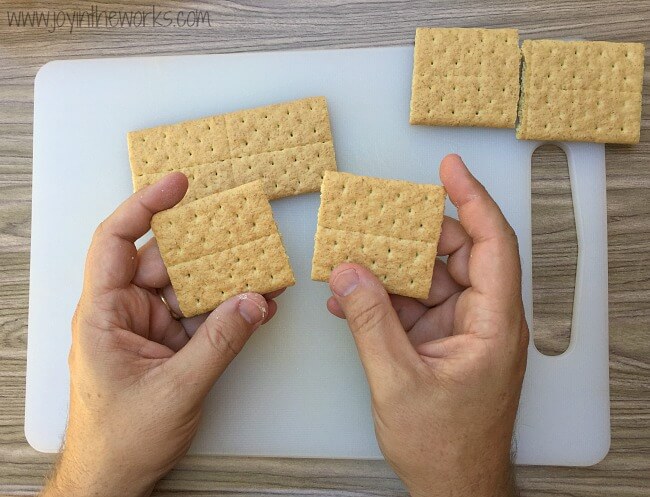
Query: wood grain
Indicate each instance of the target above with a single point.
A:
(258, 25)
(555, 250)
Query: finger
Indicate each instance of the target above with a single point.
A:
(112, 255)
(411, 310)
(494, 267)
(435, 323)
(216, 343)
(335, 308)
(272, 295)
(172, 301)
(446, 347)
(408, 310)
(381, 341)
(148, 349)
(163, 328)
(272, 309)
(442, 285)
(452, 237)
(190, 325)
(456, 243)
(173, 335)
(150, 271)
(478, 213)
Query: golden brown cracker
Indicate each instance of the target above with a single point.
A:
(465, 77)
(289, 171)
(164, 149)
(288, 144)
(581, 91)
(278, 127)
(221, 245)
(392, 227)
(203, 180)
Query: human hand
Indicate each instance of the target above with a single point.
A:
(445, 373)
(137, 379)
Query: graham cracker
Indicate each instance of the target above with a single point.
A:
(465, 77)
(581, 91)
(287, 145)
(392, 227)
(203, 179)
(221, 245)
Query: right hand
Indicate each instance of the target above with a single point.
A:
(445, 373)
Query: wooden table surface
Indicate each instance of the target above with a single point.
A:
(258, 25)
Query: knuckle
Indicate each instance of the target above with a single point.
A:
(510, 236)
(369, 316)
(221, 338)
(100, 230)
(515, 241)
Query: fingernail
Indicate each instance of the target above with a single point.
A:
(345, 282)
(250, 310)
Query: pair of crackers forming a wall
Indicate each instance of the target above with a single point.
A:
(465, 77)
(288, 146)
(221, 245)
(581, 91)
(571, 90)
(392, 227)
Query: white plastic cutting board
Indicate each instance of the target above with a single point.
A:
(297, 389)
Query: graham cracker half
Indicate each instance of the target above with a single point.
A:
(221, 245)
(287, 145)
(581, 91)
(465, 77)
(392, 227)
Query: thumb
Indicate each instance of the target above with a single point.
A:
(381, 340)
(216, 342)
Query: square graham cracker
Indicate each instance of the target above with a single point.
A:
(581, 91)
(288, 146)
(221, 245)
(465, 77)
(392, 227)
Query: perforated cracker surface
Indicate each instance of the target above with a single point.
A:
(391, 227)
(465, 77)
(581, 91)
(203, 179)
(287, 145)
(221, 245)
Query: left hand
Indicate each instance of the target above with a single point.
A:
(137, 379)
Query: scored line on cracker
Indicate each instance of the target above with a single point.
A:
(222, 245)
(288, 146)
(392, 227)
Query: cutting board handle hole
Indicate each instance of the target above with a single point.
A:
(555, 250)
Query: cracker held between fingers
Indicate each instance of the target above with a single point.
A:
(221, 245)
(465, 77)
(581, 91)
(288, 146)
(392, 227)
